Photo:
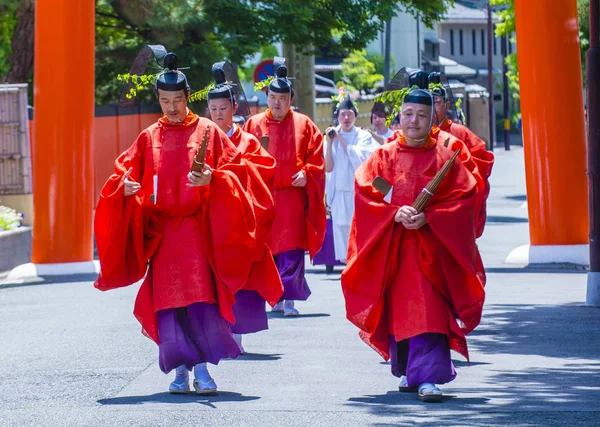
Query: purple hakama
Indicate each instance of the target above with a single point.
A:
(193, 334)
(290, 265)
(423, 359)
(250, 313)
(326, 256)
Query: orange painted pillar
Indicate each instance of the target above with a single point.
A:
(553, 121)
(62, 145)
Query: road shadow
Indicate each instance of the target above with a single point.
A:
(505, 220)
(540, 269)
(165, 397)
(517, 198)
(258, 357)
(558, 331)
(321, 271)
(278, 315)
(48, 280)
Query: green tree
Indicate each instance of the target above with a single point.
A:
(583, 16)
(379, 61)
(204, 31)
(8, 12)
(360, 72)
(507, 26)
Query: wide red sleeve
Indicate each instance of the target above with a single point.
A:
(260, 185)
(119, 223)
(230, 214)
(369, 245)
(314, 170)
(482, 185)
(264, 277)
(456, 269)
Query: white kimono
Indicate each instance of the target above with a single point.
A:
(386, 135)
(340, 183)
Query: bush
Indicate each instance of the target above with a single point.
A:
(9, 218)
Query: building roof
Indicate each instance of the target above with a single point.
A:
(454, 70)
(461, 14)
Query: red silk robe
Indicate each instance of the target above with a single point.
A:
(264, 277)
(197, 243)
(409, 282)
(469, 162)
(296, 144)
(482, 157)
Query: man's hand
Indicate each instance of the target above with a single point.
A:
(331, 131)
(200, 179)
(380, 139)
(410, 218)
(299, 179)
(130, 187)
(419, 221)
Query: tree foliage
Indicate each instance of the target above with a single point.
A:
(583, 16)
(507, 26)
(205, 31)
(8, 20)
(360, 72)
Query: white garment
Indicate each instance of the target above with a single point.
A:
(340, 183)
(386, 135)
(231, 130)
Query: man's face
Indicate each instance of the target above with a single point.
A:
(440, 106)
(379, 123)
(173, 105)
(221, 112)
(415, 121)
(347, 118)
(279, 103)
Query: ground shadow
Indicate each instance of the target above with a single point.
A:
(165, 397)
(279, 315)
(517, 198)
(321, 271)
(49, 280)
(505, 220)
(258, 357)
(539, 269)
(560, 331)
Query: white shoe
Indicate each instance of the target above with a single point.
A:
(181, 385)
(289, 310)
(428, 392)
(278, 308)
(238, 341)
(203, 382)
(403, 387)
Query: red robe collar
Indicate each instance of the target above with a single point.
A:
(271, 117)
(190, 119)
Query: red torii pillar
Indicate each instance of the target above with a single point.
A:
(62, 138)
(553, 132)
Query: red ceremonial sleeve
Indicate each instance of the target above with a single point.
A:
(363, 280)
(230, 214)
(457, 272)
(314, 170)
(119, 223)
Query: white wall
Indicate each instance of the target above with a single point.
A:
(404, 41)
(477, 60)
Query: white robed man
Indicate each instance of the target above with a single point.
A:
(347, 147)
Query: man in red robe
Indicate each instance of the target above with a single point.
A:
(264, 283)
(297, 146)
(414, 281)
(481, 156)
(190, 233)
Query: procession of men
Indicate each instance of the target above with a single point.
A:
(218, 218)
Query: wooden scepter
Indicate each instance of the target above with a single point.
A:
(198, 165)
(427, 193)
